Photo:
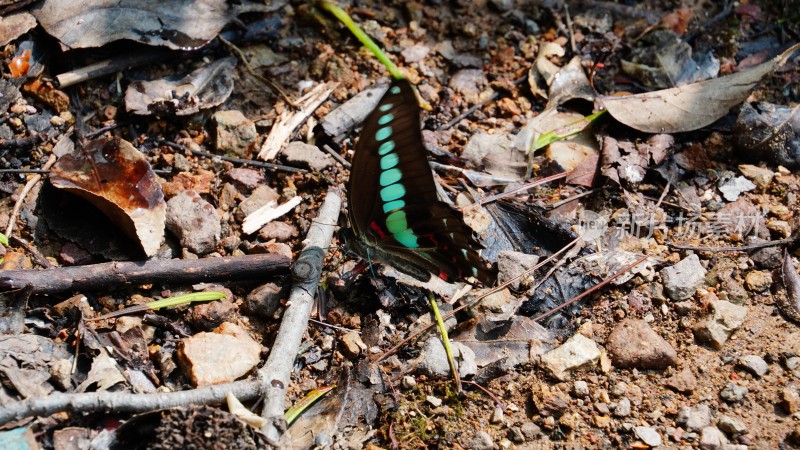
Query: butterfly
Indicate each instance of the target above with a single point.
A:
(395, 214)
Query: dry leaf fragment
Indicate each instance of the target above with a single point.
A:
(177, 24)
(692, 106)
(114, 176)
(203, 88)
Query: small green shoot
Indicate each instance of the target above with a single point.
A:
(566, 131)
(3, 239)
(294, 412)
(345, 18)
(164, 303)
(446, 342)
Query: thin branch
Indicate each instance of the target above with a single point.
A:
(251, 162)
(25, 191)
(115, 402)
(105, 275)
(275, 375)
(743, 248)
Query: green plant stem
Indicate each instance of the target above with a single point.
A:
(345, 18)
(446, 342)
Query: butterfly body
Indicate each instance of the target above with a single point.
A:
(395, 213)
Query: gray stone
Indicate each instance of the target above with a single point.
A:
(409, 382)
(481, 441)
(235, 134)
(724, 320)
(531, 431)
(623, 408)
(579, 352)
(694, 418)
(733, 393)
(481, 144)
(260, 197)
(754, 364)
(683, 279)
(633, 344)
(731, 426)
(711, 438)
(648, 435)
(434, 401)
(415, 53)
(497, 416)
(310, 155)
(511, 265)
(733, 188)
(580, 388)
(432, 359)
(194, 221)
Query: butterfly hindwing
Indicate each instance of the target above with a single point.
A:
(392, 197)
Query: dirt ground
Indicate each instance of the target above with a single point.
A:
(491, 47)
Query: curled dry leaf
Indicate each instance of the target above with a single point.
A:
(177, 24)
(543, 70)
(116, 178)
(692, 106)
(204, 88)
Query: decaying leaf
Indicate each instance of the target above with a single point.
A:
(543, 70)
(13, 26)
(204, 88)
(692, 106)
(570, 83)
(178, 24)
(518, 339)
(769, 131)
(625, 161)
(115, 177)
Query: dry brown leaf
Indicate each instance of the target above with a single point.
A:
(114, 176)
(177, 24)
(13, 26)
(692, 106)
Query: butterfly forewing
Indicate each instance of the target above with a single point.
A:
(392, 195)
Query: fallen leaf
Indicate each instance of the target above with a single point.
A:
(13, 26)
(204, 88)
(625, 161)
(114, 176)
(689, 107)
(178, 24)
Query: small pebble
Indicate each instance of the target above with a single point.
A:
(758, 280)
(648, 435)
(409, 382)
(733, 393)
(580, 388)
(497, 416)
(434, 401)
(731, 426)
(754, 364)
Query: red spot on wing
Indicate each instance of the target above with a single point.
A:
(443, 275)
(377, 229)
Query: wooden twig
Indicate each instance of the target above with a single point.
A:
(108, 66)
(288, 120)
(275, 374)
(116, 402)
(250, 162)
(113, 274)
(743, 248)
(593, 289)
(25, 191)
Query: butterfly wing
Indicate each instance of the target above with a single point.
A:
(392, 195)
